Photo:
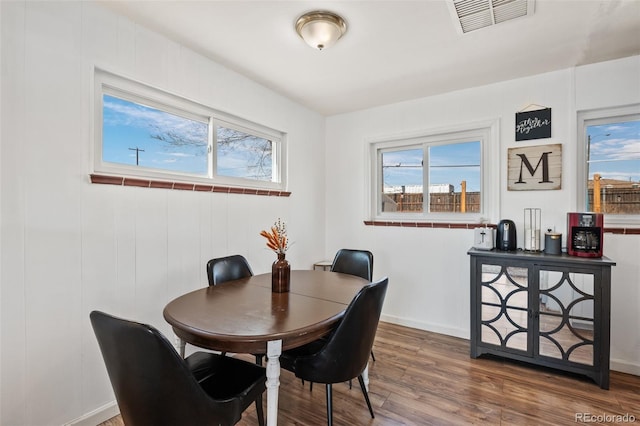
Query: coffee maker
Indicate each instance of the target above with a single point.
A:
(584, 234)
(506, 235)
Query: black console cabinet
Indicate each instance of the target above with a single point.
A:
(549, 310)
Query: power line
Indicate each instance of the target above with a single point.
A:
(400, 165)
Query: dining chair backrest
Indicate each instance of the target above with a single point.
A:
(152, 384)
(223, 269)
(354, 262)
(347, 350)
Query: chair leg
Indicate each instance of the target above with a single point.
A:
(373, 357)
(329, 405)
(310, 384)
(366, 395)
(259, 360)
(259, 412)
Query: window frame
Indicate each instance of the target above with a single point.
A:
(112, 84)
(594, 117)
(486, 132)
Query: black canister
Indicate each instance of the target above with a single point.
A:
(553, 243)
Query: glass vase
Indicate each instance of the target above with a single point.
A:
(280, 274)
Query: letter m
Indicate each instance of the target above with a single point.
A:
(544, 160)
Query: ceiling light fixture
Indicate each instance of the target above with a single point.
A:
(320, 29)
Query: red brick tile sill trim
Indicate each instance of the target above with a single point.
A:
(454, 225)
(144, 183)
(447, 225)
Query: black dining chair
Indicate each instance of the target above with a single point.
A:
(223, 269)
(354, 262)
(345, 353)
(229, 268)
(153, 385)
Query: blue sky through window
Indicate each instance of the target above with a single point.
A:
(614, 151)
(160, 139)
(243, 155)
(402, 167)
(449, 164)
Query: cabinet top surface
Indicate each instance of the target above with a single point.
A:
(542, 257)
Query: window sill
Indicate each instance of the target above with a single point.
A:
(146, 183)
(447, 225)
(625, 231)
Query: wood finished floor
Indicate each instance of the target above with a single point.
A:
(424, 378)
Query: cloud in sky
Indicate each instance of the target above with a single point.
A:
(123, 113)
(616, 149)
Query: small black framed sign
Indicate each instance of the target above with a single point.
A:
(533, 124)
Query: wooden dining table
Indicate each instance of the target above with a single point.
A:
(245, 316)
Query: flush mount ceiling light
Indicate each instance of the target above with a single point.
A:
(320, 29)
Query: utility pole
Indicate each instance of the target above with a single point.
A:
(137, 150)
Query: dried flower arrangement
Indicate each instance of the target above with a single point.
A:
(277, 237)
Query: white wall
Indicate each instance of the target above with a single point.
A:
(429, 268)
(68, 247)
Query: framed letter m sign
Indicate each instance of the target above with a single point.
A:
(534, 168)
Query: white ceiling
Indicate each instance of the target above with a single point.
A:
(393, 50)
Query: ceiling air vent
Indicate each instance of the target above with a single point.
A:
(471, 15)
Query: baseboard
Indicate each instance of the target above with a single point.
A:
(625, 367)
(421, 325)
(615, 364)
(97, 416)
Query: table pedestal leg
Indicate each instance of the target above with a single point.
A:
(274, 349)
(183, 344)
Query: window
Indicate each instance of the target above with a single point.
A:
(609, 158)
(449, 165)
(144, 132)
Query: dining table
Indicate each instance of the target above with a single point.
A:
(246, 316)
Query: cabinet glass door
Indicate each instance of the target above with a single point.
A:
(566, 321)
(505, 307)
